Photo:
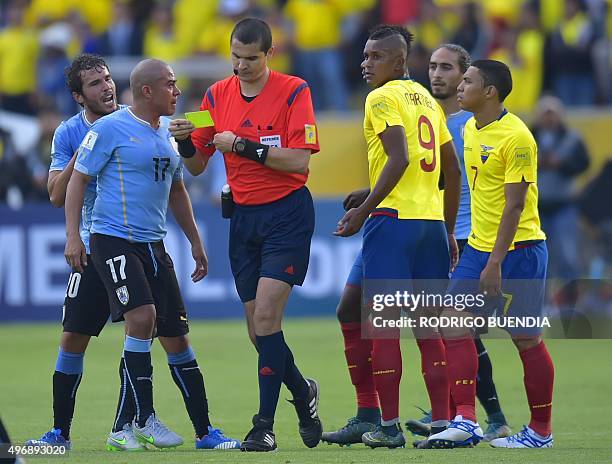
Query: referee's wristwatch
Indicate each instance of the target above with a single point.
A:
(239, 145)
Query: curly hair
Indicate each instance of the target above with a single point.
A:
(83, 62)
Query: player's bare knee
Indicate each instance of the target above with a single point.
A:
(266, 320)
(526, 343)
(174, 344)
(140, 321)
(349, 307)
(73, 342)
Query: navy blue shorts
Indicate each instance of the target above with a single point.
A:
(271, 240)
(404, 248)
(523, 283)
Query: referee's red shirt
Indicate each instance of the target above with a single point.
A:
(281, 115)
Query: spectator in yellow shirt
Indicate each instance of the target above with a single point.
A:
(317, 36)
(522, 48)
(18, 55)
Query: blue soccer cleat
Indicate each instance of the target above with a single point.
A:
(526, 438)
(215, 440)
(52, 438)
(461, 433)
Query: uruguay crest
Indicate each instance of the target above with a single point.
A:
(123, 295)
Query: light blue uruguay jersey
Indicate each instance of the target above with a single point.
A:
(135, 165)
(455, 123)
(66, 141)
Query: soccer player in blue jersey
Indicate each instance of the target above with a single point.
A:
(86, 305)
(447, 65)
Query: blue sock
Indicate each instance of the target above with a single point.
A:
(139, 371)
(271, 366)
(69, 363)
(182, 357)
(66, 381)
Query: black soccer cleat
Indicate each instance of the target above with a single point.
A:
(350, 434)
(260, 437)
(310, 426)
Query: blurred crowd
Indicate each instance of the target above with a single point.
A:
(558, 51)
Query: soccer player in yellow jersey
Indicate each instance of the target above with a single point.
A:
(404, 235)
(505, 242)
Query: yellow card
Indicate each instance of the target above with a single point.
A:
(200, 118)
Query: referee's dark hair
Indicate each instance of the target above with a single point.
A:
(253, 30)
(83, 62)
(382, 31)
(497, 74)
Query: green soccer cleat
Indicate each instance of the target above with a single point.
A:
(379, 439)
(350, 434)
(124, 440)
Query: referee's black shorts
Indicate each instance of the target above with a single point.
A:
(137, 274)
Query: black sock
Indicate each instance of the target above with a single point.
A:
(65, 387)
(140, 377)
(4, 436)
(485, 388)
(272, 362)
(189, 380)
(371, 415)
(294, 380)
(125, 406)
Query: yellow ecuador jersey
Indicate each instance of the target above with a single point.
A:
(406, 103)
(502, 152)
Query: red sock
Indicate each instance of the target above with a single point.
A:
(433, 367)
(387, 370)
(462, 360)
(539, 376)
(452, 408)
(358, 352)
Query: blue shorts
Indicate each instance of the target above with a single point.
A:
(271, 240)
(523, 282)
(400, 249)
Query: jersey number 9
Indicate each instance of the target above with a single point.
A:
(430, 145)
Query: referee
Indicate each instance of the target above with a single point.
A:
(265, 127)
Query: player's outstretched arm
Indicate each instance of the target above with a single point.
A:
(58, 183)
(515, 194)
(180, 205)
(75, 192)
(193, 160)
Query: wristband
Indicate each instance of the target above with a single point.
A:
(252, 150)
(185, 147)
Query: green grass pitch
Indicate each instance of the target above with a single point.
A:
(582, 408)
